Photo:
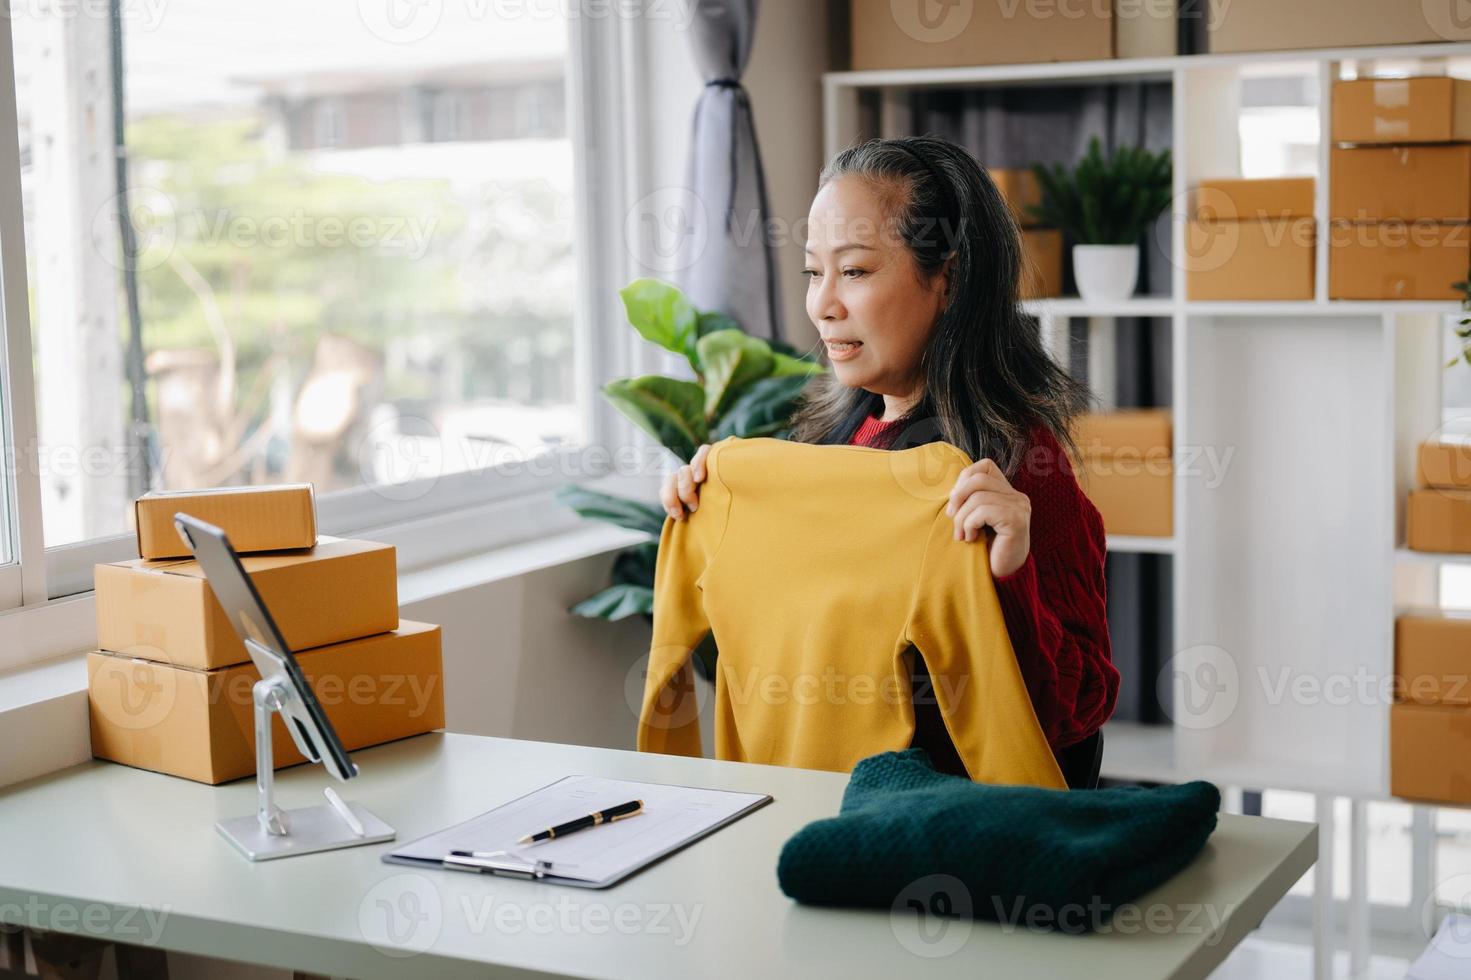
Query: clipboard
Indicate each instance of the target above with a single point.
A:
(673, 818)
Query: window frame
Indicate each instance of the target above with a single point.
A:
(432, 520)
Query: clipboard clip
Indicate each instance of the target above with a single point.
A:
(502, 863)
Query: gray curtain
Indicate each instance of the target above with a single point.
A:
(1015, 127)
(731, 267)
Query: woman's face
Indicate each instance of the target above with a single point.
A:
(865, 294)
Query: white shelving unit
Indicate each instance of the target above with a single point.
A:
(1288, 547)
(1288, 559)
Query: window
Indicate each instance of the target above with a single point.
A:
(315, 271)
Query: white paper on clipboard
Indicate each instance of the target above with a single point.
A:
(672, 817)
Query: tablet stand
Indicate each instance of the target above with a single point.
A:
(273, 832)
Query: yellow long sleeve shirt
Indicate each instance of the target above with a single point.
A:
(818, 568)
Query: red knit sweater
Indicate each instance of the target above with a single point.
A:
(1055, 605)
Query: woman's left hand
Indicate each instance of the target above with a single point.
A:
(982, 498)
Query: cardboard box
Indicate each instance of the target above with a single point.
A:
(1250, 260)
(1446, 465)
(254, 518)
(1020, 189)
(1397, 259)
(1378, 183)
(1430, 752)
(1432, 659)
(165, 611)
(1042, 255)
(1136, 430)
(1239, 199)
(1401, 110)
(1439, 520)
(1272, 25)
(200, 724)
(1128, 469)
(900, 35)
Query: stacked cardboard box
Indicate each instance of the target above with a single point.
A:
(170, 685)
(1430, 721)
(887, 34)
(1251, 240)
(1399, 200)
(1272, 25)
(1041, 247)
(1128, 469)
(1438, 514)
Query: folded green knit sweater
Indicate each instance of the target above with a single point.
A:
(1016, 851)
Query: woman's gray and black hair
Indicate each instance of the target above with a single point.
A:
(987, 377)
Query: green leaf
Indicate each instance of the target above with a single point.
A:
(785, 365)
(711, 322)
(669, 409)
(763, 409)
(661, 314)
(635, 566)
(731, 360)
(632, 514)
(616, 602)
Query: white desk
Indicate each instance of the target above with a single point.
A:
(85, 849)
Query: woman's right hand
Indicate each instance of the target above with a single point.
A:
(682, 487)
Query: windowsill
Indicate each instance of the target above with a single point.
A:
(31, 695)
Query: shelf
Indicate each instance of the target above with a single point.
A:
(1126, 69)
(1321, 308)
(1141, 545)
(1144, 753)
(1076, 306)
(1431, 557)
(1073, 306)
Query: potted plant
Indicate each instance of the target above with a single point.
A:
(1463, 326)
(744, 386)
(1104, 205)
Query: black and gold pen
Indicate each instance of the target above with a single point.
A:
(607, 815)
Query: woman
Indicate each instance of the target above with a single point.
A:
(913, 262)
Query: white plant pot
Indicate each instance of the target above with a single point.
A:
(1105, 272)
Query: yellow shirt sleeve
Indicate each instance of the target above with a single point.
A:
(957, 625)
(669, 719)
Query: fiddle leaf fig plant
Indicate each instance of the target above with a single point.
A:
(743, 386)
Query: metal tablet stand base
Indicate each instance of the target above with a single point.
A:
(275, 833)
